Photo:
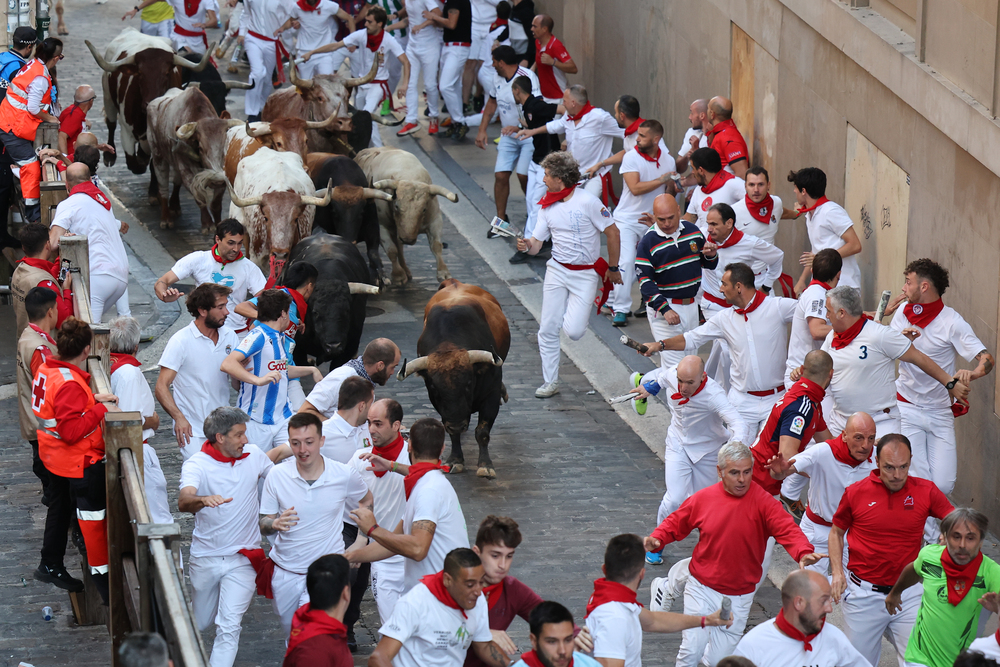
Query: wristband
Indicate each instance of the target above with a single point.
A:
(613, 268)
(392, 468)
(369, 533)
(703, 622)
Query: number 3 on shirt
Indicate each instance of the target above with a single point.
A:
(864, 352)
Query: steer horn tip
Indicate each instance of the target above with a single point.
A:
(401, 375)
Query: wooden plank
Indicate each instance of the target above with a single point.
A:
(132, 587)
(76, 250)
(180, 628)
(101, 346)
(741, 85)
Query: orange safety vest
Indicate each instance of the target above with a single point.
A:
(14, 114)
(62, 458)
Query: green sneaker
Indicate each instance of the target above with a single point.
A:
(638, 404)
(385, 108)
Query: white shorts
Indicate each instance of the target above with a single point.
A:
(267, 436)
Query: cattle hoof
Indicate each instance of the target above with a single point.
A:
(489, 473)
(153, 201)
(166, 225)
(456, 468)
(443, 275)
(503, 393)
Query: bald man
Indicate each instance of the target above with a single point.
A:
(73, 119)
(694, 137)
(725, 139)
(831, 467)
(800, 634)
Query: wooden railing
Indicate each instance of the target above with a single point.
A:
(145, 580)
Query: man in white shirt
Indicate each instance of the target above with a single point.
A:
(715, 186)
(694, 135)
(645, 171)
(259, 22)
(831, 467)
(376, 364)
(864, 369)
(432, 523)
(574, 219)
(827, 223)
(315, 25)
(303, 505)
(347, 431)
(809, 324)
(800, 634)
(223, 264)
(190, 384)
(484, 14)
(553, 639)
(626, 114)
(189, 21)
(423, 49)
(440, 618)
(88, 212)
(219, 486)
(758, 213)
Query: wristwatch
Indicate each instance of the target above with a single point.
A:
(951, 385)
(613, 268)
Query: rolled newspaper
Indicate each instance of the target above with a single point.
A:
(628, 342)
(727, 608)
(882, 303)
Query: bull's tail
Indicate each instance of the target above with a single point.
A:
(205, 185)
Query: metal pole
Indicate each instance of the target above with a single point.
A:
(42, 19)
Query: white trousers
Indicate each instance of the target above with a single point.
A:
(536, 190)
(931, 433)
(222, 590)
(452, 66)
(423, 60)
(661, 330)
(486, 76)
(197, 440)
(289, 594)
(753, 409)
(395, 67)
(866, 619)
(164, 28)
(567, 297)
(192, 44)
(367, 98)
(719, 361)
(594, 186)
(387, 585)
(885, 422)
(318, 64)
(266, 436)
(629, 233)
(819, 536)
(156, 486)
(684, 477)
(712, 644)
(260, 53)
(104, 291)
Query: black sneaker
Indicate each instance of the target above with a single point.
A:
(58, 576)
(352, 643)
(519, 257)
(460, 132)
(639, 312)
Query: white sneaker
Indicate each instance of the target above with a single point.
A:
(547, 390)
(660, 595)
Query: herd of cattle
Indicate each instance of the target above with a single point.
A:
(306, 187)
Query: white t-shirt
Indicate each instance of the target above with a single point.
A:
(387, 490)
(82, 215)
(243, 276)
(389, 48)
(502, 93)
(826, 225)
(263, 16)
(316, 28)
(948, 334)
(730, 193)
(432, 634)
(685, 146)
(224, 530)
(320, 507)
(589, 139)
(433, 499)
(828, 477)
(134, 395)
(186, 22)
(575, 226)
(342, 439)
(812, 303)
(631, 206)
(864, 372)
(748, 250)
(617, 632)
(326, 394)
(431, 34)
(484, 12)
(987, 645)
(750, 225)
(199, 386)
(766, 645)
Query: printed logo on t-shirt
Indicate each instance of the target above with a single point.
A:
(762, 212)
(917, 309)
(694, 246)
(277, 365)
(908, 503)
(225, 281)
(798, 423)
(229, 348)
(707, 204)
(606, 213)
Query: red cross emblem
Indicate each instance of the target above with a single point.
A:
(38, 392)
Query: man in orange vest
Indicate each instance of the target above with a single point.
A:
(29, 102)
(71, 445)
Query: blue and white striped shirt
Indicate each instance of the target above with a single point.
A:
(267, 350)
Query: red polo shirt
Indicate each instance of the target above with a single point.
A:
(885, 530)
(71, 123)
(728, 143)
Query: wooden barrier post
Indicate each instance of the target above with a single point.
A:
(77, 251)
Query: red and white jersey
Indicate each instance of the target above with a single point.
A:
(631, 206)
(758, 343)
(589, 139)
(748, 250)
(826, 224)
(767, 645)
(748, 224)
(947, 334)
(864, 372)
(730, 193)
(812, 303)
(390, 49)
(828, 477)
(552, 79)
(988, 646)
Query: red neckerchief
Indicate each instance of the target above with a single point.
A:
(52, 268)
(496, 24)
(493, 593)
(922, 314)
(418, 470)
(842, 453)
(735, 237)
(210, 449)
(551, 198)
(119, 360)
(806, 387)
(959, 577)
(719, 127)
(88, 188)
(531, 659)
(682, 400)
(761, 211)
(191, 7)
(389, 452)
(587, 108)
(717, 182)
(655, 158)
(609, 591)
(435, 584)
(793, 632)
(300, 304)
(634, 127)
(758, 298)
(844, 338)
(308, 623)
(304, 6)
(819, 202)
(820, 283)
(374, 42)
(218, 258)
(43, 334)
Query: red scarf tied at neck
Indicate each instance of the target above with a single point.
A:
(655, 158)
(758, 298)
(610, 591)
(119, 360)
(845, 338)
(418, 470)
(761, 211)
(435, 584)
(300, 304)
(191, 7)
(52, 268)
(922, 314)
(734, 237)
(308, 623)
(717, 182)
(679, 397)
(819, 202)
(959, 577)
(389, 452)
(820, 283)
(793, 632)
(209, 448)
(842, 452)
(218, 258)
(88, 188)
(493, 593)
(587, 108)
(551, 198)
(634, 127)
(374, 42)
(531, 659)
(304, 6)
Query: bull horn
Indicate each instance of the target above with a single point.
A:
(387, 184)
(321, 124)
(104, 64)
(372, 193)
(198, 66)
(239, 85)
(263, 131)
(390, 123)
(484, 357)
(362, 288)
(438, 190)
(243, 203)
(367, 78)
(186, 131)
(317, 200)
(232, 122)
(408, 369)
(293, 77)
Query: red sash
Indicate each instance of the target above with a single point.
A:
(716, 300)
(608, 196)
(264, 567)
(279, 52)
(600, 267)
(191, 33)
